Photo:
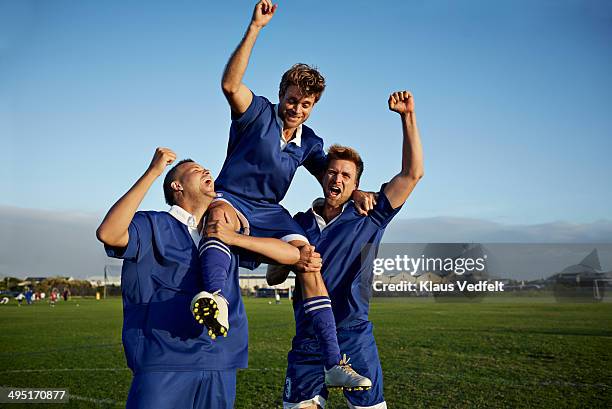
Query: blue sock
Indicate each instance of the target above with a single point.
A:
(215, 260)
(320, 312)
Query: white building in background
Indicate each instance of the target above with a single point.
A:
(98, 281)
(252, 282)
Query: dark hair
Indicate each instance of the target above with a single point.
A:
(345, 153)
(308, 79)
(171, 177)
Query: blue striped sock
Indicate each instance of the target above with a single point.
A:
(215, 260)
(320, 312)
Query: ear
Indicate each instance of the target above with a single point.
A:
(176, 186)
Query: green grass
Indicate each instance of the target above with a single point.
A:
(500, 353)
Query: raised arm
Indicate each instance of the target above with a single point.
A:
(113, 231)
(400, 187)
(237, 94)
(271, 249)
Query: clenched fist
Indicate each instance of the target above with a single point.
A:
(263, 13)
(162, 158)
(401, 102)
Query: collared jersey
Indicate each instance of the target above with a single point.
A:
(256, 167)
(160, 276)
(346, 270)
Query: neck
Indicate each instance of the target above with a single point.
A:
(288, 133)
(197, 209)
(330, 211)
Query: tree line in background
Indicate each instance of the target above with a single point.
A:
(81, 288)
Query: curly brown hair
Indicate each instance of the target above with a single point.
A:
(308, 79)
(346, 153)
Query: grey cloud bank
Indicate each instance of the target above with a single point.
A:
(40, 242)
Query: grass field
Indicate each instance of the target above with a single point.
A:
(500, 353)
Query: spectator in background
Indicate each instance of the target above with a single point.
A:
(28, 296)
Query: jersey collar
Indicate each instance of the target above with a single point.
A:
(298, 133)
(319, 219)
(183, 216)
(188, 220)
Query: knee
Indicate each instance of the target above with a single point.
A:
(222, 211)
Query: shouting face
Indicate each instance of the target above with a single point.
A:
(339, 182)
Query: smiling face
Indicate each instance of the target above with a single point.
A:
(195, 180)
(188, 184)
(339, 182)
(294, 107)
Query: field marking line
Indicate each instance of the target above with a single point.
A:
(96, 401)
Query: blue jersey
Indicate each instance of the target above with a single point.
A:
(256, 167)
(160, 276)
(347, 272)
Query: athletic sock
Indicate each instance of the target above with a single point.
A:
(215, 260)
(322, 317)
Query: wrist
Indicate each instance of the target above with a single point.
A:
(254, 27)
(407, 117)
(235, 239)
(153, 172)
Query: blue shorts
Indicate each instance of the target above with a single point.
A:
(183, 389)
(305, 379)
(261, 219)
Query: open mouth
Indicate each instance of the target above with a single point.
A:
(334, 191)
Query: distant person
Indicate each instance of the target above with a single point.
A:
(174, 362)
(277, 297)
(28, 296)
(66, 294)
(19, 299)
(333, 225)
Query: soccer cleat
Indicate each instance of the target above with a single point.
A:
(344, 376)
(211, 310)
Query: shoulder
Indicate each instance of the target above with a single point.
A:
(152, 217)
(261, 104)
(308, 134)
(303, 217)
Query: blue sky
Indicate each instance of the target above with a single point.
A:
(512, 97)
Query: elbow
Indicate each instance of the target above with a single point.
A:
(108, 238)
(413, 176)
(102, 235)
(418, 175)
(229, 88)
